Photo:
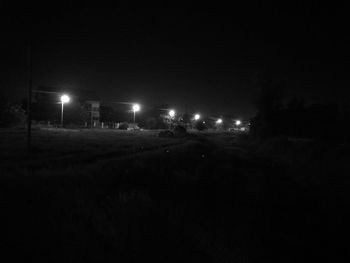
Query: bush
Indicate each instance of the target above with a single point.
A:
(151, 123)
(180, 131)
(123, 126)
(12, 115)
(200, 126)
(166, 133)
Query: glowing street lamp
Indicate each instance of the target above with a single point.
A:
(64, 99)
(219, 121)
(172, 113)
(238, 122)
(135, 108)
(197, 117)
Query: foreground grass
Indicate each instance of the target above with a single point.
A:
(104, 196)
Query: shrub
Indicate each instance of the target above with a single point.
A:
(200, 126)
(180, 131)
(166, 133)
(123, 126)
(12, 115)
(151, 123)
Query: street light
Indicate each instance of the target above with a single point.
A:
(172, 113)
(238, 122)
(219, 121)
(64, 99)
(171, 119)
(135, 108)
(197, 117)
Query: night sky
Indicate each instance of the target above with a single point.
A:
(203, 56)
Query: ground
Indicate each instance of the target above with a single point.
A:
(108, 195)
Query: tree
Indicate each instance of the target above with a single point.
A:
(11, 114)
(75, 114)
(200, 126)
(269, 103)
(152, 118)
(107, 114)
(186, 118)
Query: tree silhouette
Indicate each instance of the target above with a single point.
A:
(268, 104)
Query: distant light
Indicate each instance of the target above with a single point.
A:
(172, 113)
(136, 107)
(65, 98)
(238, 122)
(219, 121)
(197, 117)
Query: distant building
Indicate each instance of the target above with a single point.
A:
(93, 107)
(46, 103)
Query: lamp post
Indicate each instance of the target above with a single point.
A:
(172, 114)
(237, 123)
(196, 118)
(135, 108)
(64, 99)
(29, 95)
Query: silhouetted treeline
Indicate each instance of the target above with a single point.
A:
(154, 118)
(295, 119)
(11, 113)
(147, 118)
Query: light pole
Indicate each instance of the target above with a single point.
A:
(29, 95)
(172, 114)
(135, 108)
(237, 122)
(64, 99)
(196, 118)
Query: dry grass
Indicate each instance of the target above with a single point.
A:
(105, 195)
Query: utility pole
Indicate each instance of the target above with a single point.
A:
(92, 116)
(62, 113)
(29, 96)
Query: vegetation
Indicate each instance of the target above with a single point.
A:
(109, 195)
(166, 133)
(200, 126)
(75, 114)
(11, 114)
(179, 131)
(296, 119)
(123, 126)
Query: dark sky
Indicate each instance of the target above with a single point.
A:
(205, 56)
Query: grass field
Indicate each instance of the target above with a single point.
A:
(108, 196)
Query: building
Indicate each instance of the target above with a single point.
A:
(93, 107)
(46, 104)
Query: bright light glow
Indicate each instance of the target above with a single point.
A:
(172, 113)
(238, 122)
(197, 117)
(136, 107)
(219, 121)
(65, 98)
